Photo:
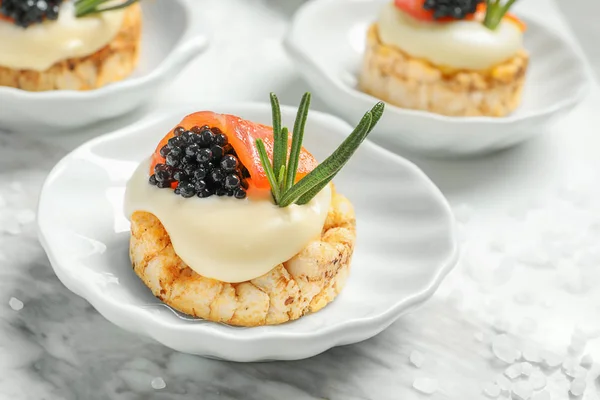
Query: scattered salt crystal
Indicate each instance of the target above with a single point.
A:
(501, 325)
(577, 387)
(521, 390)
(463, 213)
(542, 396)
(576, 371)
(15, 304)
(526, 369)
(513, 372)
(25, 217)
(503, 383)
(425, 385)
(523, 298)
(587, 361)
(531, 354)
(551, 360)
(504, 349)
(158, 383)
(528, 325)
(538, 380)
(491, 390)
(416, 359)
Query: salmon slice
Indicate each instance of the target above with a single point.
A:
(242, 135)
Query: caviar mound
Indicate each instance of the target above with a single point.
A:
(112, 63)
(240, 135)
(392, 75)
(305, 283)
(457, 9)
(200, 162)
(439, 10)
(26, 13)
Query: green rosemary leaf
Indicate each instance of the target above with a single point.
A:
(297, 138)
(266, 163)
(279, 148)
(88, 7)
(376, 113)
(325, 171)
(495, 12)
(281, 179)
(285, 133)
(84, 6)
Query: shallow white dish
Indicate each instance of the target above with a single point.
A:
(170, 40)
(406, 243)
(329, 50)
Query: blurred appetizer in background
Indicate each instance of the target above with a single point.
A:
(450, 57)
(235, 222)
(68, 44)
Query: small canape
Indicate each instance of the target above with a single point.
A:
(450, 57)
(235, 222)
(68, 44)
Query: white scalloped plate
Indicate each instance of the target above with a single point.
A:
(170, 40)
(329, 51)
(406, 243)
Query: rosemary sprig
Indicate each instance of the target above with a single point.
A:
(88, 7)
(283, 186)
(495, 11)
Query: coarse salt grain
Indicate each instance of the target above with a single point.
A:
(491, 390)
(577, 387)
(15, 304)
(513, 372)
(551, 359)
(526, 369)
(538, 380)
(504, 349)
(587, 361)
(425, 385)
(416, 359)
(503, 383)
(521, 390)
(158, 383)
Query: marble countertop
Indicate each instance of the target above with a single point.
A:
(529, 221)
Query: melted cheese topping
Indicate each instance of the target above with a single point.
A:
(460, 44)
(40, 46)
(224, 238)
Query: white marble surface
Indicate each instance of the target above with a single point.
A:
(530, 225)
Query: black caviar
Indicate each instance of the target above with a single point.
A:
(202, 163)
(457, 9)
(29, 12)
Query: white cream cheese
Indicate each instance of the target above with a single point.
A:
(225, 238)
(459, 44)
(40, 46)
